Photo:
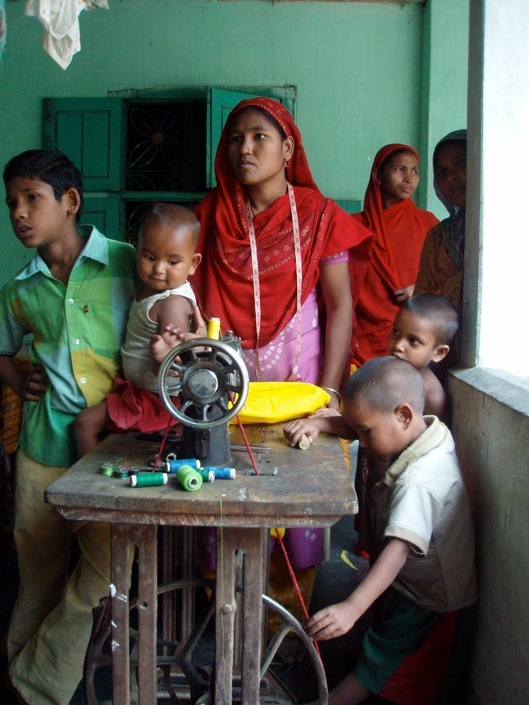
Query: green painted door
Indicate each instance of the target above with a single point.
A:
(89, 132)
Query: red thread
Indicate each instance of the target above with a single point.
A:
(162, 445)
(281, 543)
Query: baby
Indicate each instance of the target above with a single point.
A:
(166, 257)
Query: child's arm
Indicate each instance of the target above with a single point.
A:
(173, 315)
(435, 397)
(338, 619)
(30, 386)
(313, 425)
(174, 311)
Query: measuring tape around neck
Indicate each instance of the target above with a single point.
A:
(256, 286)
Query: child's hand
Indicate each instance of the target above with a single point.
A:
(35, 384)
(162, 343)
(335, 620)
(300, 427)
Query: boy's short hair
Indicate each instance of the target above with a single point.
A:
(50, 166)
(173, 216)
(439, 311)
(384, 383)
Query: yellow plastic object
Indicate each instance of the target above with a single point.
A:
(274, 402)
(277, 533)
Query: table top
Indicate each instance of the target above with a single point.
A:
(311, 488)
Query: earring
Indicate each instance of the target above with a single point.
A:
(285, 164)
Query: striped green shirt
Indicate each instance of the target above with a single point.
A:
(77, 331)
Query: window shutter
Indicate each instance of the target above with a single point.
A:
(89, 132)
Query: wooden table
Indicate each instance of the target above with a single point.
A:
(311, 488)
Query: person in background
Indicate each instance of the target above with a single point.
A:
(73, 298)
(442, 256)
(399, 227)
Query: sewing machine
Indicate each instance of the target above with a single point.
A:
(204, 375)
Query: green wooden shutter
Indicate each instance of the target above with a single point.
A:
(349, 205)
(88, 130)
(103, 212)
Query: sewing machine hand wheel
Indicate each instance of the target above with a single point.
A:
(203, 374)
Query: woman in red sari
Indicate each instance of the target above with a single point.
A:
(275, 269)
(399, 227)
(287, 295)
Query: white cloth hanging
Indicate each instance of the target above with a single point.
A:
(60, 18)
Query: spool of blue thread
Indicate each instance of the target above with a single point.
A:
(175, 465)
(222, 473)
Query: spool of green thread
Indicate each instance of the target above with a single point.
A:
(148, 479)
(107, 469)
(206, 475)
(189, 478)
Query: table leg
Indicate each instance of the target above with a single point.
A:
(233, 545)
(145, 538)
(254, 585)
(120, 615)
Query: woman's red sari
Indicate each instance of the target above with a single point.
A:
(223, 282)
(399, 232)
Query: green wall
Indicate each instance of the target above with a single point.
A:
(357, 69)
(444, 83)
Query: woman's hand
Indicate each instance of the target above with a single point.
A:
(402, 295)
(325, 411)
(334, 401)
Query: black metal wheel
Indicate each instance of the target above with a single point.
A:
(201, 375)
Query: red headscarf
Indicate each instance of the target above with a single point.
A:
(223, 281)
(399, 235)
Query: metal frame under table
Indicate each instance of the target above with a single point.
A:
(311, 489)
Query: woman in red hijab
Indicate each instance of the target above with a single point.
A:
(399, 227)
(275, 253)
(274, 269)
